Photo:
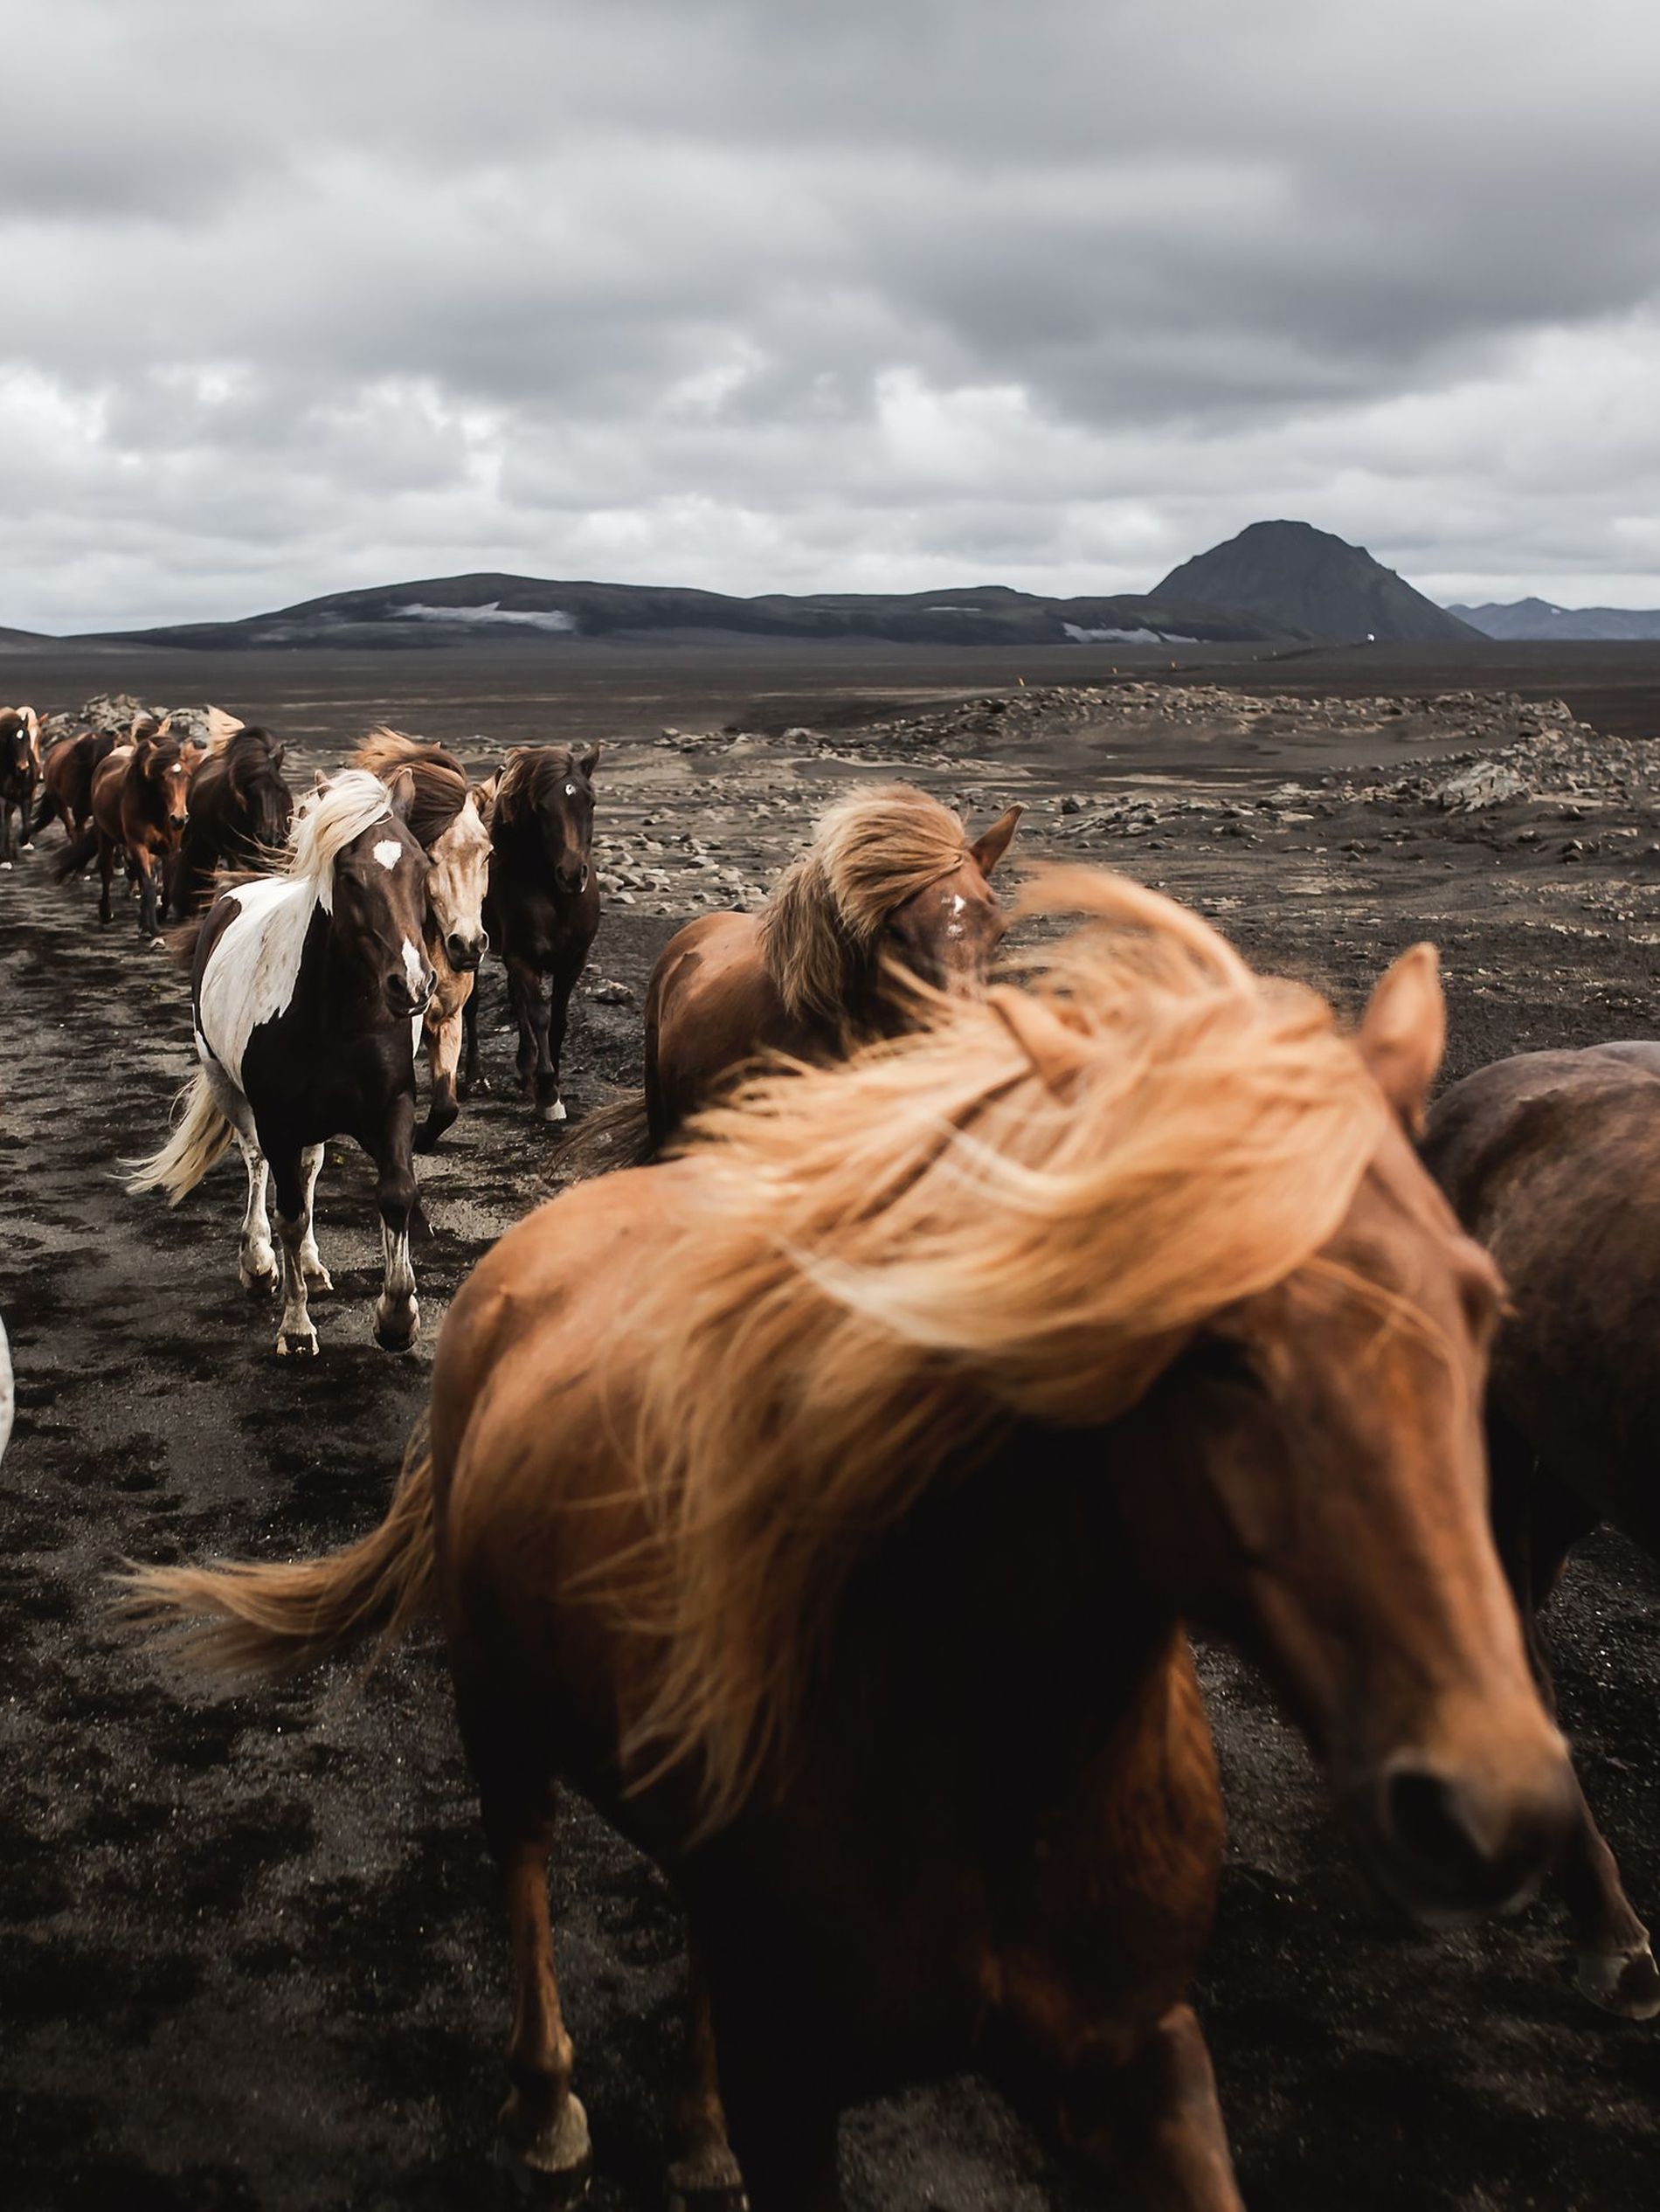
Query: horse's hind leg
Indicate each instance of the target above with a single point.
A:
(444, 1053)
(106, 874)
(702, 2174)
(256, 1264)
(544, 2129)
(1150, 2127)
(473, 1078)
(296, 1335)
(1536, 1522)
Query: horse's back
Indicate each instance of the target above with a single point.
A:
(710, 1007)
(1552, 1159)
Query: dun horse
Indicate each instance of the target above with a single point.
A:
(141, 794)
(451, 822)
(19, 773)
(890, 888)
(308, 988)
(828, 1503)
(240, 810)
(542, 909)
(1552, 1159)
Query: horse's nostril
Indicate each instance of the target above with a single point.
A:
(1429, 1821)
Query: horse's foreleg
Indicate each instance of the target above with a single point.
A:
(257, 1261)
(444, 1057)
(472, 1077)
(296, 1335)
(107, 876)
(551, 1042)
(318, 1277)
(1536, 1522)
(524, 989)
(397, 1316)
(25, 824)
(703, 2175)
(5, 833)
(1149, 2128)
(144, 868)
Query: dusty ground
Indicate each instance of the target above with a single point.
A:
(249, 1953)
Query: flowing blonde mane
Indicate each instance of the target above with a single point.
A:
(870, 852)
(221, 729)
(439, 778)
(1021, 1212)
(325, 823)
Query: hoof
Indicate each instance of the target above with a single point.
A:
(553, 1112)
(293, 1343)
(397, 1330)
(481, 1083)
(316, 1276)
(158, 944)
(1623, 1982)
(258, 1283)
(556, 2167)
(5, 868)
(425, 1139)
(708, 2182)
(26, 846)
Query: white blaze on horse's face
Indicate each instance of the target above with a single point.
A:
(388, 852)
(458, 873)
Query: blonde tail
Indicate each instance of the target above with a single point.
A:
(201, 1137)
(281, 1619)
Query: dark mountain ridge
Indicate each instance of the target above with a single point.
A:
(1518, 621)
(1293, 575)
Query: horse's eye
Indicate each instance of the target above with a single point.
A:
(570, 791)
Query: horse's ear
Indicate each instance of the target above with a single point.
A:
(400, 788)
(277, 751)
(143, 749)
(986, 851)
(319, 781)
(589, 761)
(484, 796)
(1403, 1032)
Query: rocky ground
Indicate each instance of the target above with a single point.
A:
(250, 1953)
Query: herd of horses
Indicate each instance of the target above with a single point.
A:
(826, 1481)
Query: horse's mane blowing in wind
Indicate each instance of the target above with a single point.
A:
(439, 779)
(325, 822)
(1021, 1210)
(871, 851)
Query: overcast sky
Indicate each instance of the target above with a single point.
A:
(759, 294)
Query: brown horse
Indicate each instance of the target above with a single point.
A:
(451, 822)
(140, 802)
(1552, 1159)
(890, 887)
(543, 908)
(19, 773)
(66, 781)
(827, 1502)
(240, 810)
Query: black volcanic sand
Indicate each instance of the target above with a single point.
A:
(250, 1949)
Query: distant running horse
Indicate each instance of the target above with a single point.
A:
(451, 821)
(1552, 1159)
(542, 909)
(141, 795)
(66, 780)
(308, 988)
(20, 766)
(826, 1503)
(890, 889)
(240, 810)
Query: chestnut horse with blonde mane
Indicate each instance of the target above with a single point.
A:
(827, 1504)
(450, 820)
(890, 887)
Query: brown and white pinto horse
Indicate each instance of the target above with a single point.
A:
(451, 822)
(308, 987)
(1552, 1159)
(20, 767)
(891, 889)
(240, 810)
(140, 800)
(827, 1504)
(542, 909)
(66, 781)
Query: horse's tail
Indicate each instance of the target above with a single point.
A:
(253, 1619)
(618, 1135)
(76, 853)
(201, 1137)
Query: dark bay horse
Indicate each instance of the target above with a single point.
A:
(140, 798)
(450, 819)
(308, 987)
(542, 909)
(240, 809)
(891, 887)
(827, 1504)
(20, 767)
(66, 781)
(1552, 1159)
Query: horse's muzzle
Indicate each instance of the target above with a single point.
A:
(405, 1000)
(1452, 1847)
(464, 954)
